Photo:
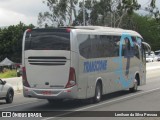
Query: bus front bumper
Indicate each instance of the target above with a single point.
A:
(68, 93)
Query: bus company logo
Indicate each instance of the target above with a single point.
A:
(6, 114)
(95, 66)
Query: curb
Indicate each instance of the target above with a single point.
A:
(18, 89)
(16, 83)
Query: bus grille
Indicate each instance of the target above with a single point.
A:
(47, 60)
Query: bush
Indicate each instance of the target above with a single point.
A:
(8, 74)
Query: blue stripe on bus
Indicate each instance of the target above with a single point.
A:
(122, 80)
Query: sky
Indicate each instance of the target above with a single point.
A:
(26, 11)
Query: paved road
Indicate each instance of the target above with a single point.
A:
(15, 82)
(146, 99)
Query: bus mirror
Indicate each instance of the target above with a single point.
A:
(147, 47)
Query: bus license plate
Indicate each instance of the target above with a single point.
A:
(46, 92)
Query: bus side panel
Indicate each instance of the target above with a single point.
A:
(142, 66)
(143, 75)
(81, 79)
(129, 70)
(90, 84)
(110, 77)
(23, 44)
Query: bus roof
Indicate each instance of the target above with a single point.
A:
(97, 29)
(100, 29)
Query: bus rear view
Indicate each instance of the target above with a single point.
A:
(82, 62)
(46, 59)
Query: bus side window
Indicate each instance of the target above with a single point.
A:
(85, 45)
(109, 48)
(142, 50)
(116, 45)
(126, 47)
(136, 48)
(143, 54)
(95, 46)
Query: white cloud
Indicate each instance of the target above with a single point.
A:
(26, 11)
(12, 18)
(147, 2)
(144, 4)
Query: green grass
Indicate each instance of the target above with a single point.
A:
(8, 74)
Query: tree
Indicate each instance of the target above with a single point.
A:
(60, 13)
(153, 10)
(11, 41)
(95, 12)
(107, 12)
(123, 12)
(149, 28)
(100, 12)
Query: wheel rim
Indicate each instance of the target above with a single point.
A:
(10, 96)
(135, 84)
(98, 93)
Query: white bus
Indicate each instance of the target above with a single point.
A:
(81, 62)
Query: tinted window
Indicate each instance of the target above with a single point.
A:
(109, 46)
(142, 49)
(39, 40)
(128, 50)
(138, 47)
(137, 52)
(98, 46)
(85, 45)
(95, 46)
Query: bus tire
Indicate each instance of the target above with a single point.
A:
(98, 93)
(135, 87)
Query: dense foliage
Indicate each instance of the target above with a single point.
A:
(112, 13)
(149, 28)
(11, 42)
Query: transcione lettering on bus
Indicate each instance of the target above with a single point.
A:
(95, 66)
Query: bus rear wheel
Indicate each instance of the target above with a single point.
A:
(98, 93)
(135, 87)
